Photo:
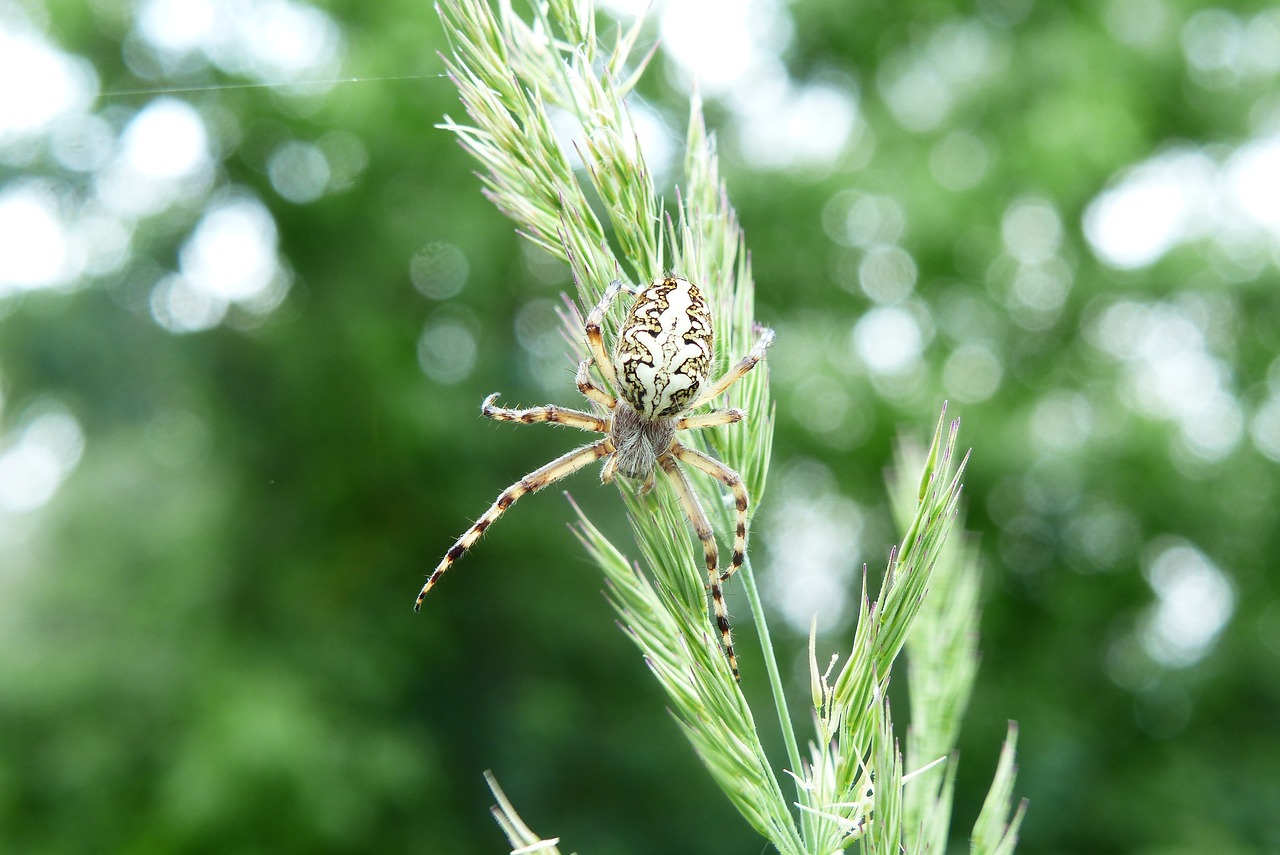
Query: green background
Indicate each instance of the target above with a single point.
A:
(206, 640)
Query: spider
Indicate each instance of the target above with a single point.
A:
(658, 371)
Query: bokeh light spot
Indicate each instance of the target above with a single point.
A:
(959, 161)
(181, 307)
(887, 274)
(801, 126)
(1194, 602)
(232, 252)
(447, 349)
(439, 270)
(1264, 428)
(1032, 230)
(1212, 40)
(1253, 179)
(175, 26)
(274, 41)
(346, 157)
(715, 42)
(888, 340)
(1103, 534)
(972, 373)
(165, 140)
(813, 537)
(1140, 23)
(44, 453)
(82, 142)
(854, 218)
(35, 246)
(41, 84)
(1061, 421)
(541, 334)
(1171, 375)
(1140, 219)
(298, 171)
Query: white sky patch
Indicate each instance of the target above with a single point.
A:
(732, 49)
(1253, 181)
(796, 124)
(177, 26)
(41, 83)
(37, 458)
(273, 41)
(1194, 602)
(717, 42)
(1184, 195)
(36, 247)
(1156, 206)
(166, 140)
(231, 254)
(163, 158)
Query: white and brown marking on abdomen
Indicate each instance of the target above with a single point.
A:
(664, 348)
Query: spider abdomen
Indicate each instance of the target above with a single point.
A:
(663, 351)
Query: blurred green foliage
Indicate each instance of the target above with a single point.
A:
(206, 634)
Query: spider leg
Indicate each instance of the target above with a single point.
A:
(595, 335)
(550, 413)
(734, 374)
(733, 481)
(590, 389)
(702, 528)
(561, 467)
(711, 419)
(609, 469)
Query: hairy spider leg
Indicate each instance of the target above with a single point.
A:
(734, 374)
(561, 467)
(702, 528)
(609, 469)
(549, 413)
(715, 418)
(590, 390)
(595, 334)
(733, 481)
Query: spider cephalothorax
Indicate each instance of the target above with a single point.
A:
(659, 365)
